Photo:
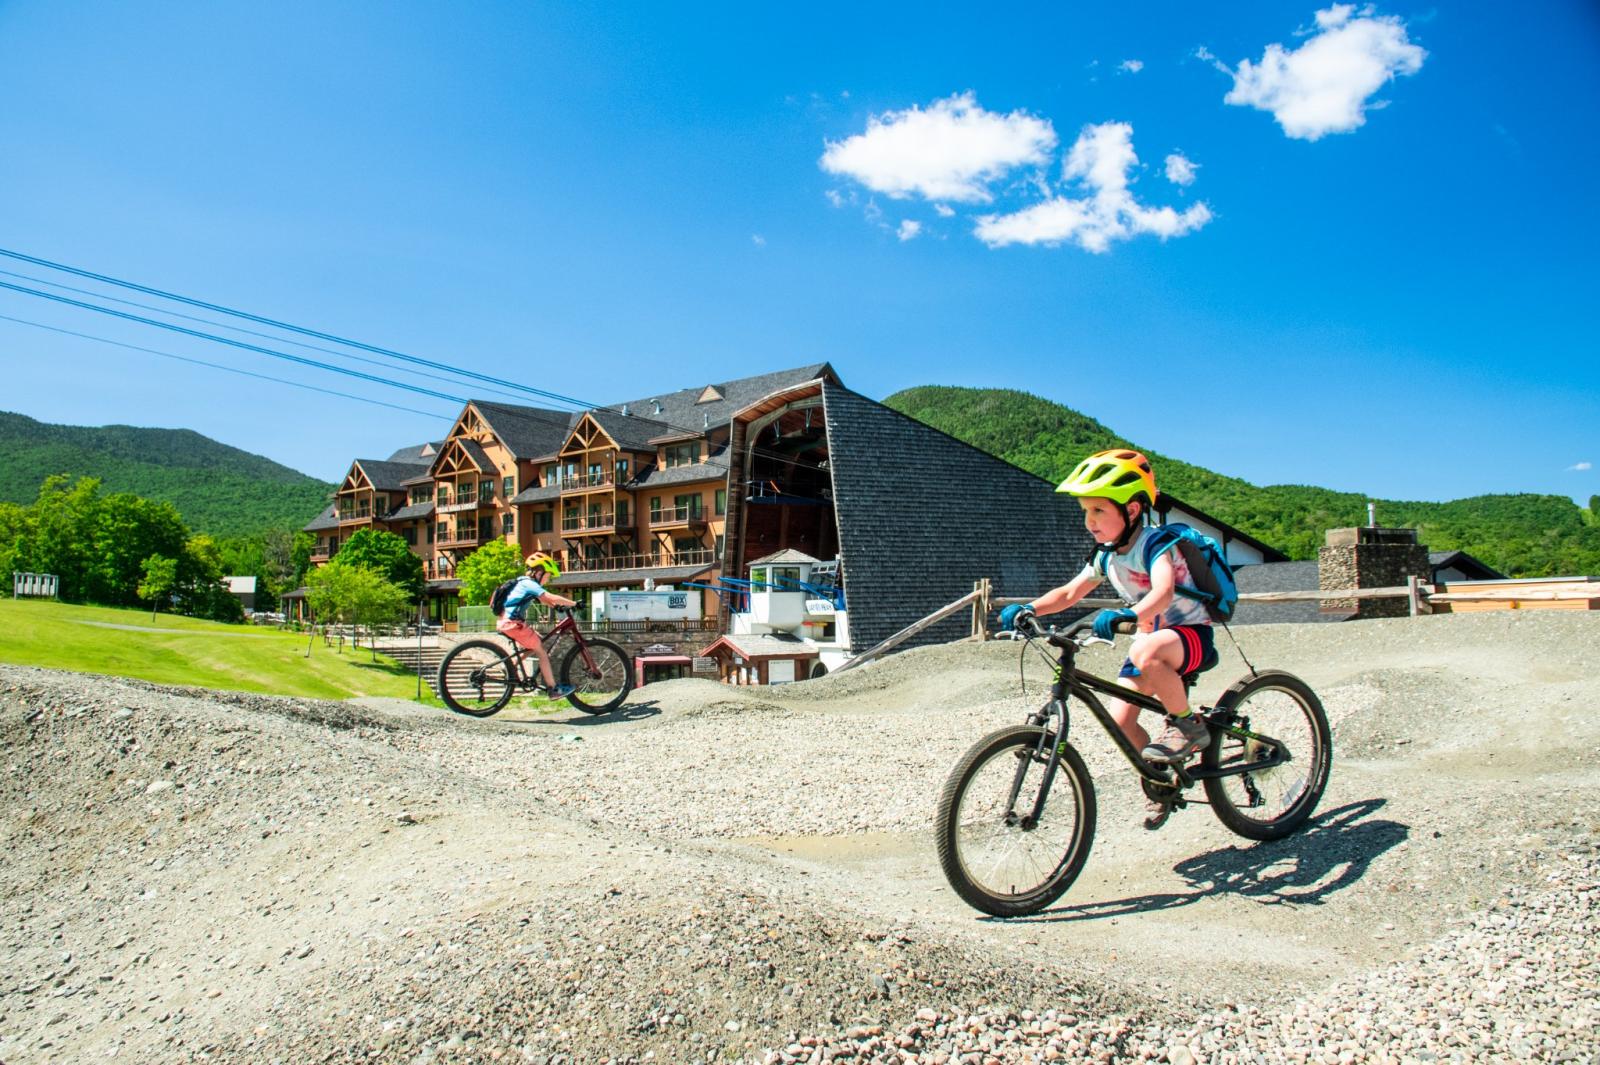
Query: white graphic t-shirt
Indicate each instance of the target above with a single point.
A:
(1131, 581)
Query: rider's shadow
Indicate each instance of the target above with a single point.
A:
(631, 711)
(1330, 854)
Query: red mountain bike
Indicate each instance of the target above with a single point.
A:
(479, 677)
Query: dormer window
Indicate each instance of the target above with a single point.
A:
(681, 454)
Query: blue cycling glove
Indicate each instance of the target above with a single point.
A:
(1010, 615)
(1105, 622)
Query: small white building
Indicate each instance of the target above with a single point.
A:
(795, 625)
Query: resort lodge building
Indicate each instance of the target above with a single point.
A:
(694, 489)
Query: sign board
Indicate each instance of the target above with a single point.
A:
(659, 649)
(652, 606)
(704, 665)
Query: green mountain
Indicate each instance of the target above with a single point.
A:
(1520, 535)
(218, 489)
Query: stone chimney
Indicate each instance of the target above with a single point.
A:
(1368, 557)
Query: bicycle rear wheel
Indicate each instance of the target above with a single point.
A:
(476, 678)
(603, 688)
(1269, 803)
(995, 855)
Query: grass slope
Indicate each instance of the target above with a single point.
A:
(1521, 535)
(218, 489)
(177, 650)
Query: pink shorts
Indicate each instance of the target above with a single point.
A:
(520, 631)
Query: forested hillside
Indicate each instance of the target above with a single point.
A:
(1521, 535)
(218, 490)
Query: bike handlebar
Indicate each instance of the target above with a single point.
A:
(1030, 627)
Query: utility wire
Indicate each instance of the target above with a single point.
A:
(579, 404)
(231, 343)
(237, 329)
(229, 369)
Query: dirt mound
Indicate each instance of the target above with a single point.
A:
(722, 873)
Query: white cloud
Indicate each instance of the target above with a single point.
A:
(944, 210)
(1181, 171)
(834, 197)
(758, 240)
(1326, 85)
(1580, 466)
(1130, 66)
(951, 150)
(909, 229)
(1099, 161)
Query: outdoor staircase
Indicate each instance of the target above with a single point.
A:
(408, 655)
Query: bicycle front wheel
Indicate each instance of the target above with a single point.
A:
(1269, 803)
(601, 687)
(1007, 847)
(476, 678)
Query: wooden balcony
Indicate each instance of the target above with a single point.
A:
(595, 524)
(320, 553)
(668, 517)
(461, 538)
(614, 563)
(585, 482)
(347, 517)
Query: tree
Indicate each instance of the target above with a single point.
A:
(126, 531)
(160, 577)
(300, 557)
(201, 592)
(387, 555)
(354, 595)
(486, 568)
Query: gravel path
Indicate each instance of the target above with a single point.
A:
(743, 874)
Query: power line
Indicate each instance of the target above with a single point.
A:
(579, 404)
(229, 369)
(235, 328)
(230, 342)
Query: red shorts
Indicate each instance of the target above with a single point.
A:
(520, 631)
(1199, 651)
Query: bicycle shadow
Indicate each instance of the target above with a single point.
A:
(1332, 853)
(633, 711)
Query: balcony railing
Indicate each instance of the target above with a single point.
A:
(358, 514)
(459, 537)
(320, 554)
(613, 563)
(678, 516)
(592, 523)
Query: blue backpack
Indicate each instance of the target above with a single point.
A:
(1211, 576)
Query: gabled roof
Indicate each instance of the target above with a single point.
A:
(417, 454)
(788, 555)
(527, 432)
(763, 645)
(1268, 552)
(632, 432)
(326, 520)
(1475, 569)
(388, 476)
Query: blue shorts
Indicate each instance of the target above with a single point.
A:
(1199, 652)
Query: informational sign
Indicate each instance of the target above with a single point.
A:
(652, 606)
(705, 665)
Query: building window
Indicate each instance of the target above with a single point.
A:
(682, 454)
(444, 532)
(444, 494)
(716, 551)
(485, 491)
(622, 471)
(485, 528)
(688, 504)
(411, 535)
(622, 514)
(722, 501)
(655, 508)
(422, 494)
(597, 473)
(508, 486)
(544, 521)
(430, 532)
(508, 525)
(552, 475)
(464, 491)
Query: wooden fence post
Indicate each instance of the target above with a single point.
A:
(1414, 593)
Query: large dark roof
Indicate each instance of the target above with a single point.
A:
(537, 494)
(390, 476)
(916, 533)
(1475, 569)
(682, 411)
(632, 431)
(414, 510)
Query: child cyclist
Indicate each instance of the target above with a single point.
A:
(529, 589)
(1173, 640)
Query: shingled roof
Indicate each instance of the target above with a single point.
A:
(389, 476)
(417, 454)
(916, 533)
(326, 520)
(630, 431)
(528, 432)
(656, 477)
(683, 411)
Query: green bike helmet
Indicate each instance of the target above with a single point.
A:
(1119, 475)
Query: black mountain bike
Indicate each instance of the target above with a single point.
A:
(479, 677)
(1016, 816)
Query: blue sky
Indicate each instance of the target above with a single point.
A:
(1380, 275)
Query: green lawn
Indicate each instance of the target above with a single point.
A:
(186, 651)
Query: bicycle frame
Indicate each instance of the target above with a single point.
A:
(568, 625)
(1072, 682)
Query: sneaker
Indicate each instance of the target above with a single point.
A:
(560, 691)
(1156, 813)
(1182, 737)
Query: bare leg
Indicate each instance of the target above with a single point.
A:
(1158, 657)
(1126, 715)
